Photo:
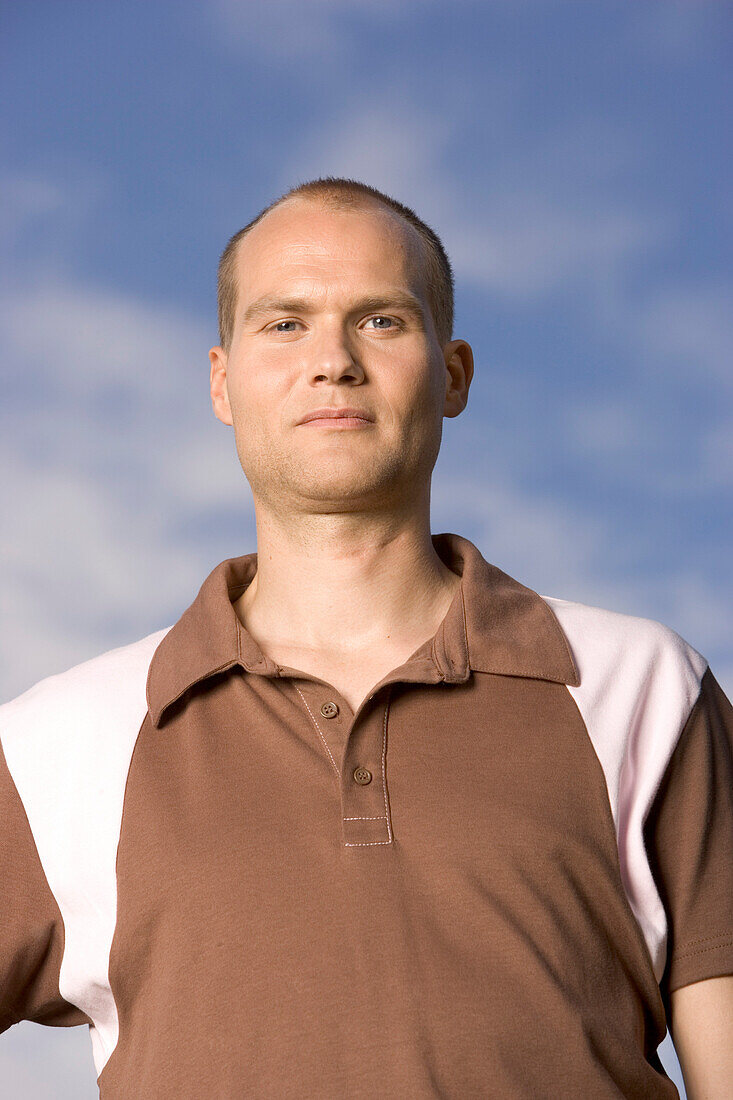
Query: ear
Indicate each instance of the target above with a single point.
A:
(218, 385)
(458, 357)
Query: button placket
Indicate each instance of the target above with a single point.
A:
(329, 710)
(363, 785)
(366, 817)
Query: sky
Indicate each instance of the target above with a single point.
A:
(573, 159)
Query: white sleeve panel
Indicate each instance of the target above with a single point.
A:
(639, 680)
(68, 742)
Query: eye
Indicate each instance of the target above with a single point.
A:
(381, 317)
(276, 326)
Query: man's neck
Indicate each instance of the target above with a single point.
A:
(349, 592)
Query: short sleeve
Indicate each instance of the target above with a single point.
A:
(31, 928)
(688, 834)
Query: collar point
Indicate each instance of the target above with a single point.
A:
(155, 714)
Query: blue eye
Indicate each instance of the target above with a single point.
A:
(391, 323)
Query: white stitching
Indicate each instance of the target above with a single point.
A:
(300, 693)
(365, 843)
(384, 775)
(379, 818)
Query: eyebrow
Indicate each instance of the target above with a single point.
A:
(269, 303)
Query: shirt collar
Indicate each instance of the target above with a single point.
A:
(494, 624)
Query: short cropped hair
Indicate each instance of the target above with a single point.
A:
(340, 193)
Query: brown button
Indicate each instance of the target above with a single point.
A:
(362, 776)
(329, 710)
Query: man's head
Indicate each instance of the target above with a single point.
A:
(342, 194)
(327, 304)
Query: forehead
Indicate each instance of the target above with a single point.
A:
(304, 241)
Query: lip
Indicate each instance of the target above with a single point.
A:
(337, 414)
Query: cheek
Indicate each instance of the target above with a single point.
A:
(260, 409)
(248, 397)
(425, 398)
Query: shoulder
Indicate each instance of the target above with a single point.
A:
(639, 682)
(616, 651)
(92, 700)
(67, 743)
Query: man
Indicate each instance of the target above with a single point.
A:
(372, 819)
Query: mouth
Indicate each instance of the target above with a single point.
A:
(346, 416)
(337, 422)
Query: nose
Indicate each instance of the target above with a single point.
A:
(333, 358)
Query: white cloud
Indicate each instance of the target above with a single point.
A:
(610, 427)
(543, 541)
(524, 246)
(681, 338)
(23, 197)
(293, 31)
(112, 449)
(664, 455)
(540, 541)
(91, 339)
(689, 330)
(42, 220)
(508, 238)
(101, 377)
(83, 568)
(390, 143)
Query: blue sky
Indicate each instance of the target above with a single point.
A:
(572, 157)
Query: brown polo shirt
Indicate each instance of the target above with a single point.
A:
(485, 882)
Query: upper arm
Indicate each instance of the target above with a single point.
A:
(701, 1023)
(688, 836)
(31, 929)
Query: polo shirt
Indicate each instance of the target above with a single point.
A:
(485, 882)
